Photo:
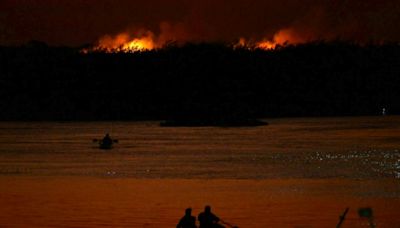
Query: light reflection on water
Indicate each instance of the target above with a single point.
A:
(363, 147)
(291, 173)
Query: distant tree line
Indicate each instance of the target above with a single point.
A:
(199, 81)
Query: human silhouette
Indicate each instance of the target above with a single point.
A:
(106, 142)
(107, 139)
(208, 219)
(187, 221)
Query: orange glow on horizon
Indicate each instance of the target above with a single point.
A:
(266, 45)
(281, 38)
(145, 41)
(124, 42)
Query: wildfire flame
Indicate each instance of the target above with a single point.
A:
(145, 41)
(266, 45)
(124, 42)
(281, 38)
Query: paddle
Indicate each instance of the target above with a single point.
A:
(342, 218)
(228, 224)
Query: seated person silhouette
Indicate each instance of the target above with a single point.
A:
(187, 221)
(208, 219)
(107, 139)
(106, 142)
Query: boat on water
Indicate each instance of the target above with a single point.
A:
(106, 143)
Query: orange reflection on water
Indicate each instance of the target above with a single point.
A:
(125, 202)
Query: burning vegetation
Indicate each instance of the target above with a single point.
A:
(124, 42)
(147, 40)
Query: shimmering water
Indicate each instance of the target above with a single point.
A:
(255, 177)
(287, 148)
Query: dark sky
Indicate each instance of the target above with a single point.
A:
(73, 22)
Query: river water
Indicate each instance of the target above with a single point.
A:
(291, 173)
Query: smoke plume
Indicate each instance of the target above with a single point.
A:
(77, 22)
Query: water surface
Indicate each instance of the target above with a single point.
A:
(291, 173)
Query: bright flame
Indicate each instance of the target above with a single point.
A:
(281, 38)
(146, 40)
(125, 43)
(139, 44)
(266, 45)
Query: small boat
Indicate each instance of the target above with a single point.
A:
(106, 143)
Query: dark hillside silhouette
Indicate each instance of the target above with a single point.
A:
(210, 82)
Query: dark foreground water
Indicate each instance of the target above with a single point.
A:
(291, 173)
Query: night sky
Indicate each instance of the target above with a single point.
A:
(73, 22)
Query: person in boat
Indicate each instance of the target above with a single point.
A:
(107, 140)
(208, 219)
(187, 221)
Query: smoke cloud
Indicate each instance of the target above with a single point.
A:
(65, 22)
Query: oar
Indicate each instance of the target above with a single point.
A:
(342, 218)
(95, 140)
(115, 140)
(228, 224)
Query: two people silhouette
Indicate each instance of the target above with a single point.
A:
(207, 219)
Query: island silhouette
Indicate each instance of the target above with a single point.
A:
(199, 84)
